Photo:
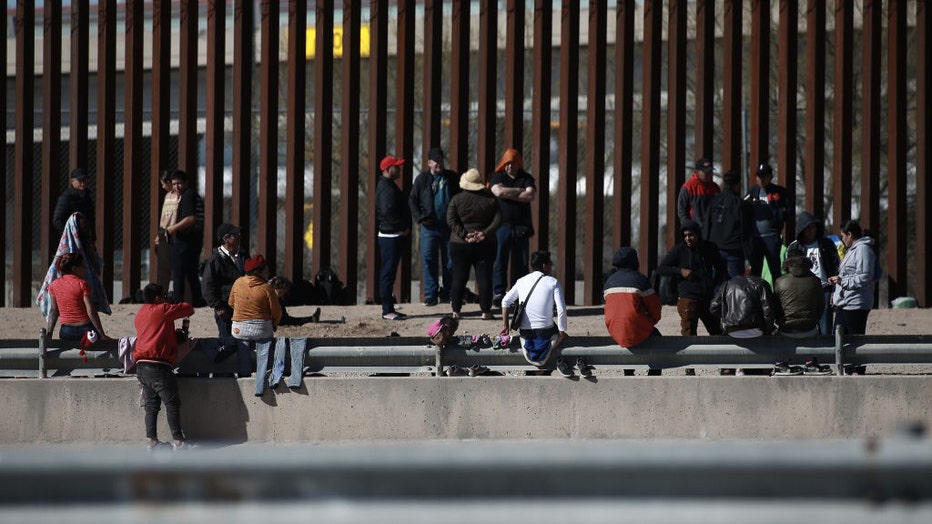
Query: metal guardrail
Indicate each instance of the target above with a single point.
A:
(415, 354)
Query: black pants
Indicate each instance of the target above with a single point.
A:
(852, 321)
(480, 256)
(186, 255)
(159, 385)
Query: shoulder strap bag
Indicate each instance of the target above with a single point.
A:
(519, 310)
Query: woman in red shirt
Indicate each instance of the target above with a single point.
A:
(71, 301)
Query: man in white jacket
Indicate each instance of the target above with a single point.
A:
(540, 335)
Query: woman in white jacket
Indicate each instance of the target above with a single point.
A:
(854, 285)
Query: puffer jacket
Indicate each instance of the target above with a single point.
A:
(473, 211)
(632, 308)
(801, 299)
(745, 302)
(858, 271)
(828, 252)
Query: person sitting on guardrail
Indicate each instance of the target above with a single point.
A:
(256, 310)
(156, 355)
(540, 336)
(801, 299)
(70, 301)
(747, 308)
(632, 308)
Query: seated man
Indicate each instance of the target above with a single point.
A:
(747, 308)
(256, 310)
(632, 308)
(802, 301)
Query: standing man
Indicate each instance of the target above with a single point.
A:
(769, 208)
(167, 218)
(515, 190)
(696, 195)
(429, 199)
(393, 219)
(700, 269)
(542, 294)
(823, 258)
(75, 199)
(156, 354)
(728, 224)
(225, 265)
(187, 238)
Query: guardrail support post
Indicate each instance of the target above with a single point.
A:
(439, 361)
(839, 351)
(42, 353)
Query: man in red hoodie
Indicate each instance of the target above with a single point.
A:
(632, 308)
(156, 355)
(696, 195)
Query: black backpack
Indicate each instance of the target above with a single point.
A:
(329, 288)
(666, 288)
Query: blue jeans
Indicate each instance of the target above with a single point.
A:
(734, 258)
(390, 249)
(295, 348)
(513, 249)
(159, 385)
(74, 333)
(435, 249)
(765, 247)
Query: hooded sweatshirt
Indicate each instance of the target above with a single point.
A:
(801, 299)
(822, 253)
(708, 267)
(632, 308)
(254, 299)
(858, 272)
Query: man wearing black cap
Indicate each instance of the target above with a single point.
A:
(696, 194)
(769, 207)
(430, 195)
(75, 199)
(221, 270)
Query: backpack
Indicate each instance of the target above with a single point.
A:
(329, 287)
(441, 331)
(666, 288)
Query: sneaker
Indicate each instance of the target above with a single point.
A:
(316, 316)
(585, 370)
(739, 372)
(563, 368)
(488, 316)
(783, 369)
(454, 371)
(431, 302)
(812, 367)
(153, 445)
(180, 445)
(477, 370)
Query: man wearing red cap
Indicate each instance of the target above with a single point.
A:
(393, 219)
(515, 189)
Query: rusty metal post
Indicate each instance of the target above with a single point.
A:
(705, 78)
(731, 101)
(870, 109)
(760, 85)
(514, 83)
(323, 137)
(433, 79)
(622, 216)
(568, 146)
(244, 60)
(25, 24)
(51, 130)
(3, 171)
(597, 50)
(106, 135)
(815, 108)
(267, 229)
(922, 261)
(650, 134)
(843, 121)
(404, 127)
(897, 137)
(676, 113)
(349, 175)
(488, 86)
(161, 117)
(132, 144)
(78, 78)
(540, 119)
(216, 113)
(378, 123)
(459, 88)
(786, 105)
(295, 141)
(187, 91)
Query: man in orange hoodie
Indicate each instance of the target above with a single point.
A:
(632, 308)
(515, 189)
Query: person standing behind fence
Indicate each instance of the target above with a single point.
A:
(393, 220)
(156, 354)
(769, 208)
(187, 238)
(823, 256)
(430, 196)
(632, 308)
(76, 199)
(854, 284)
(800, 293)
(169, 216)
(515, 189)
(473, 216)
(728, 224)
(696, 195)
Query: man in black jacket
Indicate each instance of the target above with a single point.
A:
(393, 219)
(431, 193)
(700, 270)
(728, 224)
(224, 266)
(747, 307)
(187, 237)
(76, 198)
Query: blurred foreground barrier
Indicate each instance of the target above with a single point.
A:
(415, 354)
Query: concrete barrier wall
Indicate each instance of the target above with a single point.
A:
(337, 409)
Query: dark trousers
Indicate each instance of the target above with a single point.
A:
(464, 257)
(390, 249)
(159, 385)
(511, 250)
(734, 259)
(691, 312)
(852, 321)
(186, 255)
(767, 247)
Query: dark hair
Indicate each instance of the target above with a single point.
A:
(152, 293)
(280, 284)
(67, 263)
(539, 258)
(166, 175)
(730, 179)
(178, 174)
(852, 228)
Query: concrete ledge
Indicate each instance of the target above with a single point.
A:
(339, 409)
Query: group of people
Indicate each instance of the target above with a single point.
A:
(466, 223)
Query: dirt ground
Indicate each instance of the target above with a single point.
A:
(366, 321)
